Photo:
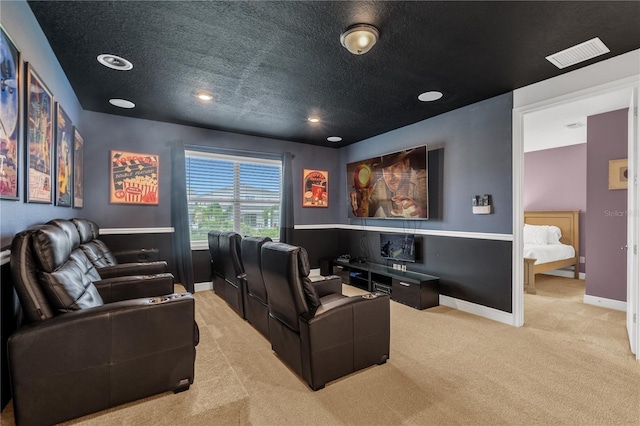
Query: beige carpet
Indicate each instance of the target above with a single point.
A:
(570, 364)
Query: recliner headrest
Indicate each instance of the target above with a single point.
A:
(51, 246)
(88, 229)
(303, 262)
(70, 229)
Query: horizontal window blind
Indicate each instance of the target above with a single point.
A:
(232, 193)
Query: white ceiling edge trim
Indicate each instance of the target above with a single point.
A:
(432, 232)
(601, 73)
(126, 231)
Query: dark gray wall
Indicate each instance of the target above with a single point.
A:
(106, 132)
(470, 152)
(475, 144)
(19, 22)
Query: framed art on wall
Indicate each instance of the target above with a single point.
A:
(78, 169)
(315, 188)
(39, 139)
(619, 174)
(9, 117)
(134, 178)
(393, 185)
(64, 170)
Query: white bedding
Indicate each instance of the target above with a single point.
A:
(548, 252)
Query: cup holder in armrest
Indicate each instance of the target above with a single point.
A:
(163, 299)
(370, 296)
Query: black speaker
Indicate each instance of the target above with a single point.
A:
(325, 267)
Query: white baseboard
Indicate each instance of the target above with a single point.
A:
(605, 303)
(203, 286)
(479, 310)
(565, 273)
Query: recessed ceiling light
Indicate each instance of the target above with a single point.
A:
(314, 119)
(204, 96)
(430, 96)
(114, 62)
(122, 103)
(334, 139)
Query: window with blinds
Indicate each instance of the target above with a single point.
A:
(231, 193)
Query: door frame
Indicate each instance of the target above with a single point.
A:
(518, 115)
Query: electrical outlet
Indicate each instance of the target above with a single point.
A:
(583, 259)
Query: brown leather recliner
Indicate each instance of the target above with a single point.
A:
(89, 344)
(105, 262)
(321, 338)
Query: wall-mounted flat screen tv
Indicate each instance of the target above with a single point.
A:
(398, 247)
(389, 186)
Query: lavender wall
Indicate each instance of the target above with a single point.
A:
(606, 230)
(556, 179)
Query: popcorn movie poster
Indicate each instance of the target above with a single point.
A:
(134, 178)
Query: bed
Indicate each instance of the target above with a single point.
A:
(555, 256)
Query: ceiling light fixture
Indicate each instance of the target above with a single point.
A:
(359, 38)
(430, 96)
(313, 119)
(122, 103)
(334, 139)
(114, 62)
(204, 96)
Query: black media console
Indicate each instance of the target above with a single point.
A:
(414, 289)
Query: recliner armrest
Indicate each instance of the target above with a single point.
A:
(330, 284)
(125, 269)
(100, 357)
(137, 255)
(133, 287)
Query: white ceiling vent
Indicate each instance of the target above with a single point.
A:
(578, 53)
(574, 126)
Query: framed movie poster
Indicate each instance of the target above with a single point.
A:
(134, 178)
(390, 186)
(39, 137)
(78, 169)
(315, 188)
(64, 152)
(9, 117)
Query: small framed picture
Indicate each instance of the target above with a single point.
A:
(39, 139)
(134, 178)
(64, 158)
(10, 103)
(315, 188)
(78, 169)
(618, 174)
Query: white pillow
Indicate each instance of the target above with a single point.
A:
(554, 234)
(536, 234)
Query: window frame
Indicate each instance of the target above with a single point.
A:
(236, 159)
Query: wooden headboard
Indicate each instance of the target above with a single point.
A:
(566, 220)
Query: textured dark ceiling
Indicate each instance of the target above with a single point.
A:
(270, 65)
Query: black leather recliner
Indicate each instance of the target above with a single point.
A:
(321, 338)
(217, 273)
(233, 286)
(104, 260)
(89, 344)
(256, 307)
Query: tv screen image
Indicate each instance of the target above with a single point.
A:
(398, 247)
(393, 186)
